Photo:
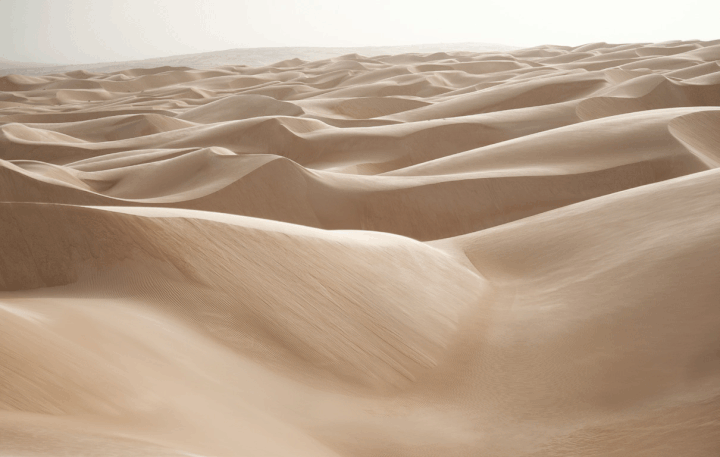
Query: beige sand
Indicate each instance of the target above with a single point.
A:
(450, 254)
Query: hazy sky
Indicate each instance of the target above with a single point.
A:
(86, 31)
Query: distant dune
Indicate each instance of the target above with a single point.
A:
(246, 56)
(397, 252)
(13, 66)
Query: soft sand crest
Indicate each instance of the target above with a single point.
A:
(451, 253)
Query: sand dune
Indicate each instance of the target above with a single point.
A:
(508, 253)
(254, 57)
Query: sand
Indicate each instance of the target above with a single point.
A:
(255, 57)
(509, 253)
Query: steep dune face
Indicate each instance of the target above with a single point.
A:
(329, 307)
(451, 254)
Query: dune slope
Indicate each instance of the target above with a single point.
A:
(509, 253)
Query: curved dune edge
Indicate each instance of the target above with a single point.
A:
(458, 254)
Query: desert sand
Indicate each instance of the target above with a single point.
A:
(511, 253)
(255, 57)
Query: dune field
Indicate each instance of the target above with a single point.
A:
(255, 57)
(512, 253)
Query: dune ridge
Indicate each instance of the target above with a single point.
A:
(511, 253)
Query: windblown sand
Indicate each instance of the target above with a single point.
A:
(449, 254)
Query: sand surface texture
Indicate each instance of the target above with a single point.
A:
(447, 254)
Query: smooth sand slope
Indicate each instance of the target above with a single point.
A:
(448, 254)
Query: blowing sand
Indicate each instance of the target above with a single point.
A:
(449, 254)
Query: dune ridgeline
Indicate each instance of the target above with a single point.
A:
(453, 254)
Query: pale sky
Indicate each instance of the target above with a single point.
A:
(88, 31)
